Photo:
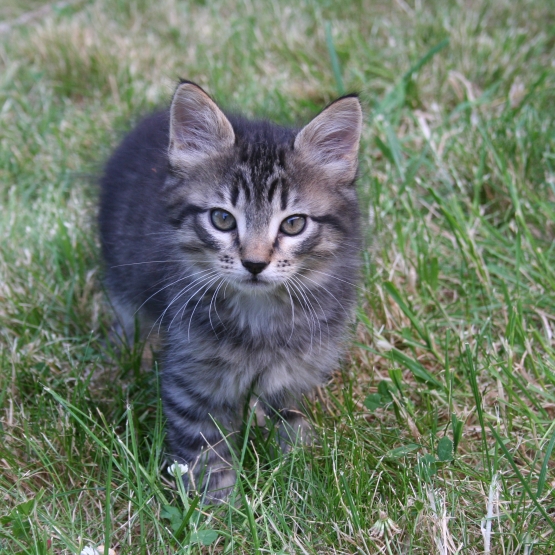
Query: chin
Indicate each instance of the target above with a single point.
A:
(255, 286)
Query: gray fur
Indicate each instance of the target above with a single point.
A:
(230, 334)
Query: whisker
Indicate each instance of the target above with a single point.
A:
(146, 262)
(331, 276)
(212, 300)
(225, 288)
(308, 306)
(200, 299)
(327, 291)
(169, 285)
(317, 300)
(309, 317)
(292, 310)
(202, 280)
(302, 288)
(226, 281)
(177, 296)
(161, 233)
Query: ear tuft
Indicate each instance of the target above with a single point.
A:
(331, 140)
(198, 128)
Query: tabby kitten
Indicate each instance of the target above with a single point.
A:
(240, 241)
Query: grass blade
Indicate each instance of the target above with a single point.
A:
(521, 478)
(336, 68)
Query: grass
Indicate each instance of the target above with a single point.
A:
(437, 434)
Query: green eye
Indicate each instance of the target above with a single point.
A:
(293, 225)
(222, 220)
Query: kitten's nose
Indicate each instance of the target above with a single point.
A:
(254, 267)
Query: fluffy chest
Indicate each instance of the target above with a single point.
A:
(253, 344)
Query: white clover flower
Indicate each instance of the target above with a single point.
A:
(90, 550)
(178, 469)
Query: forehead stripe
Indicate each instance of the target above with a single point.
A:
(247, 191)
(234, 194)
(284, 194)
(272, 189)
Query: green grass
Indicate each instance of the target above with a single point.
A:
(444, 412)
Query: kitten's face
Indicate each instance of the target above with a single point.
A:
(257, 253)
(259, 205)
(259, 239)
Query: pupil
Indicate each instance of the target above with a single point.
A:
(222, 220)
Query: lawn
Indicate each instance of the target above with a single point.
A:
(437, 434)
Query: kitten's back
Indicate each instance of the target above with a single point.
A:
(132, 213)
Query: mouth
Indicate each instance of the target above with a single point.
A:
(255, 283)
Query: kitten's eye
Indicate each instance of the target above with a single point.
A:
(222, 220)
(293, 225)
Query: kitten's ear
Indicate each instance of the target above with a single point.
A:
(198, 128)
(331, 139)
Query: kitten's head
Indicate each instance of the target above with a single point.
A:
(259, 204)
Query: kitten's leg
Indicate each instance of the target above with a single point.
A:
(197, 438)
(125, 325)
(293, 427)
(294, 430)
(206, 450)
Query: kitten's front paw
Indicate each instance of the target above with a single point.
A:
(294, 430)
(220, 485)
(214, 485)
(208, 452)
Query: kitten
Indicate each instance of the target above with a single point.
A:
(240, 241)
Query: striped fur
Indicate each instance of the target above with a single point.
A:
(250, 312)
